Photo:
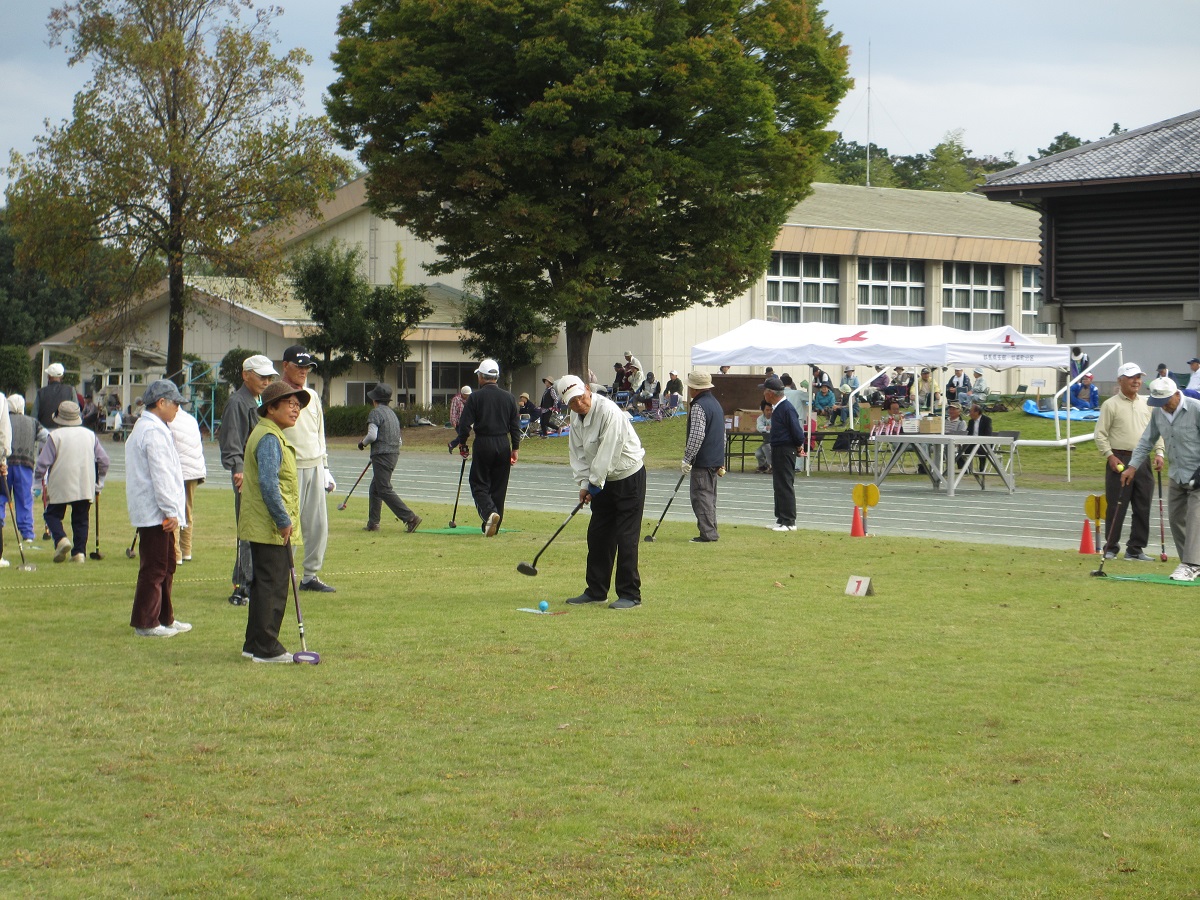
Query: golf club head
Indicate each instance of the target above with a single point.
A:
(307, 656)
(341, 506)
(453, 524)
(1162, 557)
(95, 554)
(27, 567)
(129, 553)
(649, 539)
(526, 569)
(1099, 573)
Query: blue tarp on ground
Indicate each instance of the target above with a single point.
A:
(1075, 415)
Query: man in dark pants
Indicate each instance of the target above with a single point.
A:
(383, 434)
(979, 425)
(704, 454)
(237, 421)
(497, 422)
(1123, 420)
(787, 437)
(606, 463)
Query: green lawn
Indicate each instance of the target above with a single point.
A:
(990, 723)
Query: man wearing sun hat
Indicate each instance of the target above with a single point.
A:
(1175, 419)
(74, 465)
(606, 463)
(1123, 419)
(492, 412)
(704, 454)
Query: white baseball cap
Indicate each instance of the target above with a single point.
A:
(55, 370)
(569, 387)
(489, 368)
(466, 390)
(259, 365)
(1129, 370)
(1161, 391)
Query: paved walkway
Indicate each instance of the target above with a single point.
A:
(1026, 518)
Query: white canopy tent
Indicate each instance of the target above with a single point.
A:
(760, 343)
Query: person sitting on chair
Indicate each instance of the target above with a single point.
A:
(955, 423)
(979, 425)
(825, 402)
(525, 406)
(927, 396)
(648, 393)
(1084, 394)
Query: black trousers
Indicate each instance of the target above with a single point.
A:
(783, 480)
(1138, 514)
(268, 599)
(614, 535)
(80, 511)
(490, 468)
(381, 492)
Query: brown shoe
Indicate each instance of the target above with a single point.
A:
(412, 524)
(371, 528)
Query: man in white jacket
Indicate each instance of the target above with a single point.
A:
(157, 509)
(190, 447)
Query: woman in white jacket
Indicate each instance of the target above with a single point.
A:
(190, 447)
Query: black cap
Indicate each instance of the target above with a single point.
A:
(298, 356)
(772, 384)
(1193, 360)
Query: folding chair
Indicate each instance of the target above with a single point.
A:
(1013, 463)
(660, 410)
(524, 424)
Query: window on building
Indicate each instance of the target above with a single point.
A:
(1031, 302)
(891, 291)
(972, 296)
(803, 287)
(449, 377)
(404, 391)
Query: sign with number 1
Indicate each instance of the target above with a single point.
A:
(859, 586)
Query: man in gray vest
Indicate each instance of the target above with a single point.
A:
(383, 436)
(704, 453)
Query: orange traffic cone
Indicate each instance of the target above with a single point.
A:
(856, 527)
(1086, 544)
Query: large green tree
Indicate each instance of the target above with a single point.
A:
(184, 142)
(327, 278)
(507, 330)
(612, 162)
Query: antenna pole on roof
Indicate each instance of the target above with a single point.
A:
(868, 113)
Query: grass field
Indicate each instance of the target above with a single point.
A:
(992, 722)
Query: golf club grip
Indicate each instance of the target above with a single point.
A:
(566, 522)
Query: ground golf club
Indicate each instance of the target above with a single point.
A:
(25, 566)
(1162, 527)
(458, 493)
(1118, 519)
(342, 505)
(129, 550)
(649, 539)
(531, 568)
(305, 655)
(96, 554)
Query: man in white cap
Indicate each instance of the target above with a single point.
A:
(674, 385)
(157, 502)
(74, 465)
(704, 454)
(606, 463)
(634, 371)
(312, 467)
(51, 396)
(493, 413)
(238, 420)
(1123, 419)
(1175, 419)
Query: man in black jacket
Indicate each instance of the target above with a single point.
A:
(237, 421)
(497, 422)
(980, 425)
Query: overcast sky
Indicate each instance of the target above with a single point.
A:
(1010, 75)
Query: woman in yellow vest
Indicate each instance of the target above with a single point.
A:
(270, 518)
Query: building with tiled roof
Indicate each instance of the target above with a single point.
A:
(1120, 240)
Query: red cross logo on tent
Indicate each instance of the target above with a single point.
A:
(861, 336)
(1008, 340)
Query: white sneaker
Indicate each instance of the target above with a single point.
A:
(281, 658)
(1185, 572)
(78, 558)
(493, 525)
(783, 527)
(4, 563)
(181, 627)
(156, 631)
(62, 550)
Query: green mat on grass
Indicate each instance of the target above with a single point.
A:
(463, 529)
(1154, 579)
